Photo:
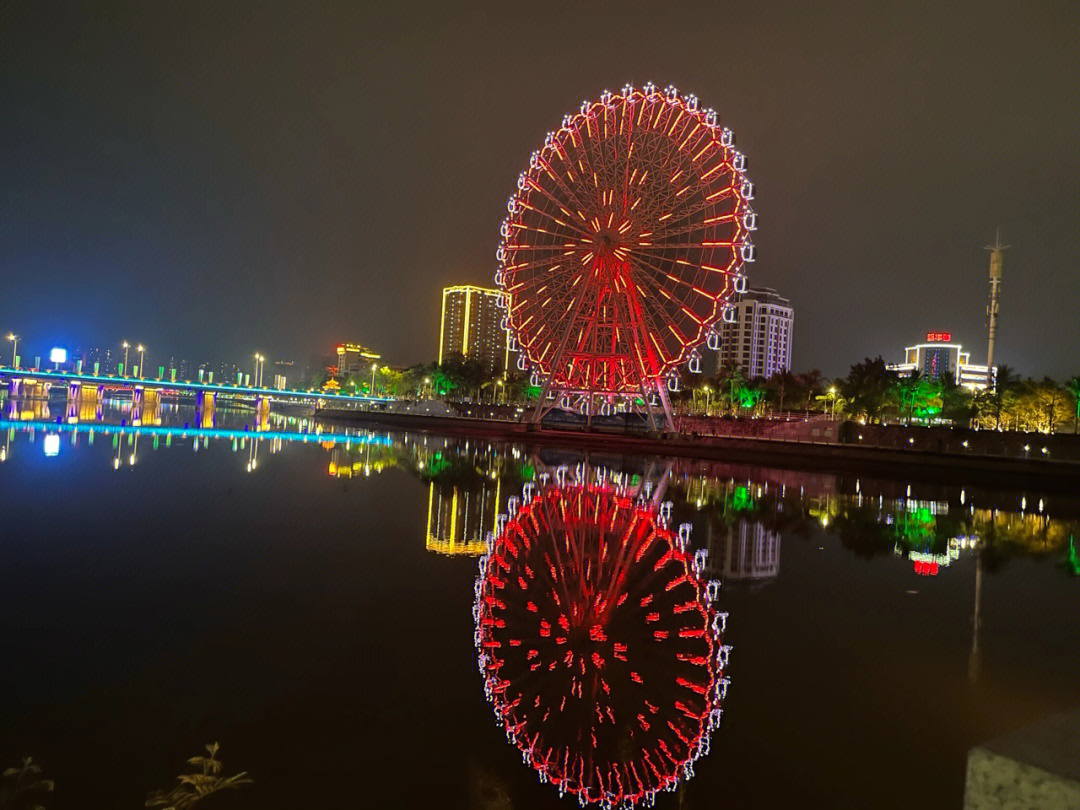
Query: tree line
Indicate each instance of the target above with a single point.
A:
(870, 392)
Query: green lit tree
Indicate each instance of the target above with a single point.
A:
(1073, 387)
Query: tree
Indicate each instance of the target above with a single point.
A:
(917, 395)
(1073, 387)
(957, 403)
(867, 387)
(780, 387)
(728, 379)
(1043, 405)
(1003, 395)
(810, 385)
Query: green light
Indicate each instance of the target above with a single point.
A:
(741, 500)
(1072, 559)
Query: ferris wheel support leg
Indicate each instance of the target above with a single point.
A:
(653, 429)
(661, 486)
(541, 405)
(661, 388)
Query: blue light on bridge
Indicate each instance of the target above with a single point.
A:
(190, 432)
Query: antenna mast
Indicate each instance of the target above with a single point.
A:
(996, 250)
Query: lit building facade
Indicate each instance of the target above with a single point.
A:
(939, 358)
(758, 343)
(471, 326)
(352, 358)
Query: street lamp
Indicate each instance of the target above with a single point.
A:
(142, 352)
(427, 386)
(832, 410)
(373, 367)
(708, 399)
(126, 346)
(257, 378)
(14, 348)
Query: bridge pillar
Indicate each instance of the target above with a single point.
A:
(204, 408)
(262, 411)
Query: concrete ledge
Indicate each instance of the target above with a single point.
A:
(1037, 766)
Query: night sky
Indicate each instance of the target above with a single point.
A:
(223, 182)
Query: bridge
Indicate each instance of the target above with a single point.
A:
(22, 381)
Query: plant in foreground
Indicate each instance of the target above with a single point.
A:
(21, 784)
(196, 786)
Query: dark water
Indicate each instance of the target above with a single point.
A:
(308, 604)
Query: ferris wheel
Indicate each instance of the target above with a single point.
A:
(625, 240)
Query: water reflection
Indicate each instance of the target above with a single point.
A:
(598, 642)
(742, 513)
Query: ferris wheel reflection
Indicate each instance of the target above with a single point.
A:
(599, 641)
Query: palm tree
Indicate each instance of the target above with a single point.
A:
(780, 385)
(810, 382)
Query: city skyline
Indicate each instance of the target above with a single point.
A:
(192, 184)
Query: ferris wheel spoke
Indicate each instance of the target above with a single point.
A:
(573, 200)
(569, 226)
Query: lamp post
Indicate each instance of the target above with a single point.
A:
(126, 346)
(708, 399)
(14, 348)
(257, 377)
(427, 385)
(142, 353)
(373, 367)
(832, 410)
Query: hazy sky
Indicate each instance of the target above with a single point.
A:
(216, 183)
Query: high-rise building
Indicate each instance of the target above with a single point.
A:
(758, 343)
(940, 358)
(471, 325)
(352, 358)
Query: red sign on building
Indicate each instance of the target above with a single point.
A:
(938, 337)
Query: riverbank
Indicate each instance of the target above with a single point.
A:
(918, 463)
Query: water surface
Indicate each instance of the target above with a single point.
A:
(306, 600)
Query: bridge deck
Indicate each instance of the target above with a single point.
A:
(66, 378)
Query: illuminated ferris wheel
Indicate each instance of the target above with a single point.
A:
(625, 240)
